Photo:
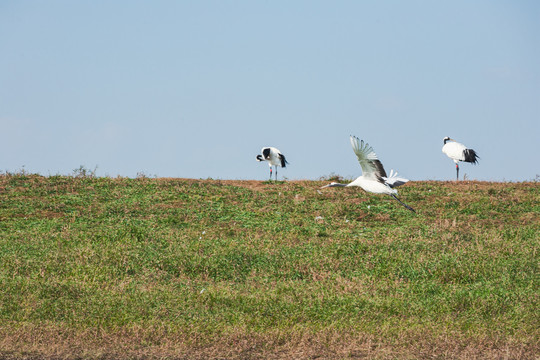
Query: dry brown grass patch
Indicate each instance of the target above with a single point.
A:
(50, 342)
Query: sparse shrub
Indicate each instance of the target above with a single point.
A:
(83, 172)
(332, 177)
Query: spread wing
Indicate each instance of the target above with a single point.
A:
(393, 180)
(371, 166)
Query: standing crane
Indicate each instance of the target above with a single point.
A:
(459, 152)
(274, 157)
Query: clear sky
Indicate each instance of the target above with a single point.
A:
(196, 88)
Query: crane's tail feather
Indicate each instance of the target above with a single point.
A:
(471, 156)
(284, 161)
(393, 180)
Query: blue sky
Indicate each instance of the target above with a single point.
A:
(196, 88)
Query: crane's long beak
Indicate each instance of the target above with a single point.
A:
(334, 184)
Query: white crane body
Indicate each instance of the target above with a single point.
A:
(373, 186)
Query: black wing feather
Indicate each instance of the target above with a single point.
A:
(471, 156)
(283, 160)
(380, 169)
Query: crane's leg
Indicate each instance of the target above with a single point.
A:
(270, 172)
(457, 171)
(402, 203)
(276, 172)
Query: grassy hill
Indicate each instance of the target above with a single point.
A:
(178, 268)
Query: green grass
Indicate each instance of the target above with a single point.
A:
(167, 268)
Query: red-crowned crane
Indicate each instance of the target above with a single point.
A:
(459, 152)
(274, 158)
(373, 178)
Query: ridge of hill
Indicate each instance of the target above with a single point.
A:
(179, 268)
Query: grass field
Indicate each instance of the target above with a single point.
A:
(104, 268)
